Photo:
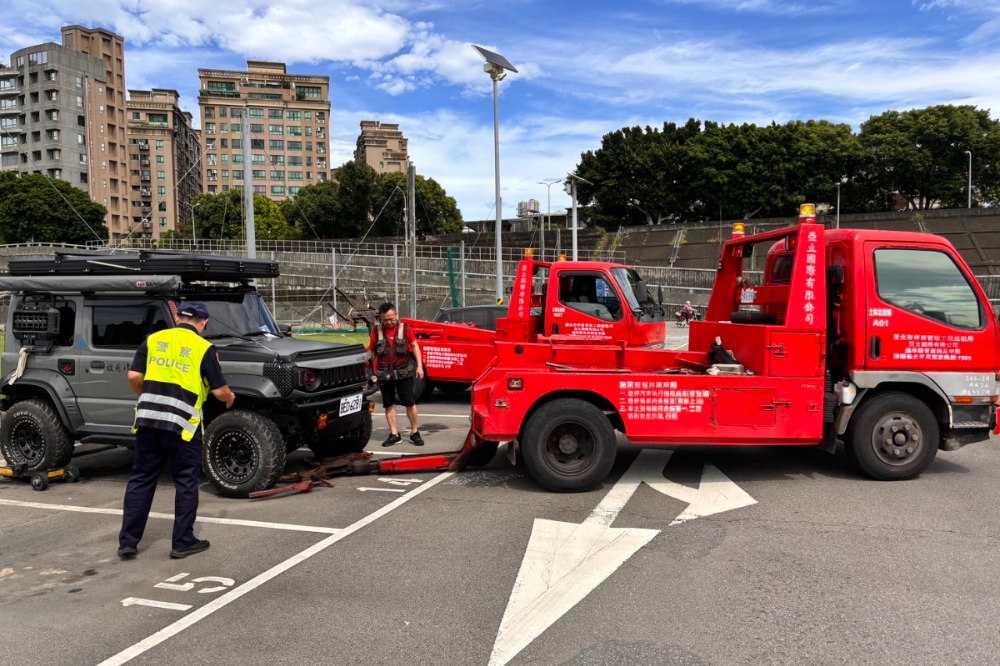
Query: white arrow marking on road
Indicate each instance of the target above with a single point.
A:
(564, 562)
(400, 482)
(383, 490)
(133, 601)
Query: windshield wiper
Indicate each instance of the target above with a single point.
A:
(216, 336)
(253, 333)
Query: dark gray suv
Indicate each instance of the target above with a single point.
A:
(75, 322)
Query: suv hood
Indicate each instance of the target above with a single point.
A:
(287, 349)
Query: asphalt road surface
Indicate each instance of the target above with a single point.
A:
(700, 556)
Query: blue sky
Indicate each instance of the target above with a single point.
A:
(586, 68)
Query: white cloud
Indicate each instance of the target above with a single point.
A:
(769, 7)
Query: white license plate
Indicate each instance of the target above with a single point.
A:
(350, 404)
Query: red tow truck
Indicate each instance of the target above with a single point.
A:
(588, 300)
(883, 339)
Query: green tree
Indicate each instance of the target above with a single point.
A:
(35, 208)
(220, 217)
(313, 211)
(436, 212)
(921, 154)
(356, 183)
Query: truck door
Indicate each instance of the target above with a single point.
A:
(587, 305)
(925, 313)
(115, 333)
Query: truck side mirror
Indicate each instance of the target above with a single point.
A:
(659, 294)
(642, 292)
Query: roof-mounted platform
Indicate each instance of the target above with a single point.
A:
(190, 267)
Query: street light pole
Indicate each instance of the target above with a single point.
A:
(838, 205)
(571, 179)
(969, 153)
(496, 66)
(194, 240)
(548, 191)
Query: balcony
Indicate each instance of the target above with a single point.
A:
(146, 178)
(146, 192)
(144, 163)
(205, 92)
(146, 210)
(143, 145)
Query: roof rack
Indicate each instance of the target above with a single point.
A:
(190, 267)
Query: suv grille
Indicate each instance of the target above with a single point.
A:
(346, 375)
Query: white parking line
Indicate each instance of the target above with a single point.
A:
(170, 516)
(201, 613)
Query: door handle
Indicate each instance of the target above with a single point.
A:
(97, 365)
(875, 348)
(555, 329)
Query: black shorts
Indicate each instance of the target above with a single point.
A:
(401, 387)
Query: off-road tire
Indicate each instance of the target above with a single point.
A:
(353, 441)
(451, 387)
(568, 445)
(422, 389)
(243, 452)
(483, 455)
(31, 434)
(873, 423)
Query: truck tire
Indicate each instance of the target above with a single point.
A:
(243, 452)
(893, 436)
(568, 445)
(451, 387)
(422, 388)
(353, 441)
(32, 435)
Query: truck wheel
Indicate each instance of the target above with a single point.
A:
(244, 452)
(483, 455)
(32, 435)
(353, 441)
(568, 445)
(892, 436)
(422, 388)
(451, 387)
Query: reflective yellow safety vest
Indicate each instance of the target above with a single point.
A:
(173, 389)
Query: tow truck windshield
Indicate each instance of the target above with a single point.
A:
(628, 282)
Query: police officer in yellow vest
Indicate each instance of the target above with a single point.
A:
(172, 373)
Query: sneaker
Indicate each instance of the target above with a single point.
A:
(392, 439)
(417, 439)
(195, 548)
(127, 552)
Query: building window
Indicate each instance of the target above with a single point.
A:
(159, 145)
(277, 160)
(212, 189)
(213, 174)
(260, 189)
(10, 159)
(237, 129)
(294, 131)
(237, 174)
(136, 115)
(83, 178)
(52, 115)
(209, 159)
(81, 140)
(256, 144)
(83, 158)
(256, 113)
(276, 129)
(256, 128)
(222, 112)
(258, 174)
(276, 144)
(309, 116)
(320, 147)
(277, 190)
(81, 121)
(8, 103)
(274, 114)
(163, 221)
(294, 175)
(320, 132)
(161, 191)
(209, 128)
(79, 102)
(320, 116)
(210, 144)
(222, 85)
(161, 175)
(79, 82)
(294, 191)
(20, 62)
(277, 175)
(258, 159)
(52, 135)
(52, 95)
(225, 174)
(294, 145)
(51, 76)
(38, 58)
(225, 157)
(237, 158)
(223, 128)
(293, 115)
(159, 160)
(311, 92)
(309, 146)
(309, 131)
(209, 111)
(309, 175)
(162, 206)
(295, 160)
(224, 143)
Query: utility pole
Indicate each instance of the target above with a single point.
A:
(251, 229)
(969, 153)
(570, 187)
(411, 214)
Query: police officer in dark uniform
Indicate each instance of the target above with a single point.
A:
(172, 373)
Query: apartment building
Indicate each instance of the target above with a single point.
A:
(62, 114)
(164, 161)
(289, 139)
(382, 147)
